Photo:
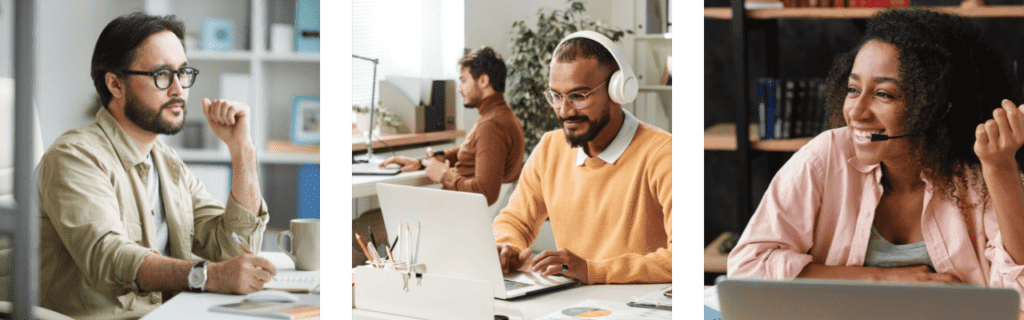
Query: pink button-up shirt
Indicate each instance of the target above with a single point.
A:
(820, 208)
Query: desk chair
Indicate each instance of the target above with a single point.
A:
(7, 195)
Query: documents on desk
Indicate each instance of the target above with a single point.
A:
(270, 309)
(660, 299)
(606, 309)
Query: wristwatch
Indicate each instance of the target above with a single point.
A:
(197, 277)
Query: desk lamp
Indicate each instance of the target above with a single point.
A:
(369, 157)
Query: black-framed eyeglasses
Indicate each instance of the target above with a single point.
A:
(162, 77)
(575, 99)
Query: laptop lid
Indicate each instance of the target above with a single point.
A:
(454, 233)
(832, 299)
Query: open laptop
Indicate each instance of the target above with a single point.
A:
(833, 299)
(455, 238)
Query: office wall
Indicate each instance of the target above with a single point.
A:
(6, 39)
(489, 22)
(67, 32)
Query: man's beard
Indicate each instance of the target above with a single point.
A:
(579, 140)
(152, 120)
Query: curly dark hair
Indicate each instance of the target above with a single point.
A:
(485, 60)
(942, 59)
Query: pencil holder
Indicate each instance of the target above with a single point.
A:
(426, 297)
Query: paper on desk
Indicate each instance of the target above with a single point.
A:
(654, 299)
(711, 298)
(590, 309)
(295, 281)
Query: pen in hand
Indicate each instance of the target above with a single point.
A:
(241, 242)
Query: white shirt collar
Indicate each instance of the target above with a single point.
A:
(618, 144)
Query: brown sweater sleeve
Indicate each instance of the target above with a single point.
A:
(491, 150)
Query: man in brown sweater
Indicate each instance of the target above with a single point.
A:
(492, 153)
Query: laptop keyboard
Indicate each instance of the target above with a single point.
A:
(512, 285)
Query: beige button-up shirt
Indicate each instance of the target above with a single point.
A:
(96, 224)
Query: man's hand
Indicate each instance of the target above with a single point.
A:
(229, 121)
(998, 139)
(511, 259)
(918, 273)
(549, 263)
(241, 275)
(435, 169)
(408, 164)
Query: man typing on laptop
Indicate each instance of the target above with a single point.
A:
(604, 180)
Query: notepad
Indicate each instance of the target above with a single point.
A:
(294, 283)
(274, 310)
(654, 300)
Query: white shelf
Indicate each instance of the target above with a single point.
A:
(236, 55)
(290, 57)
(290, 158)
(214, 156)
(659, 36)
(655, 88)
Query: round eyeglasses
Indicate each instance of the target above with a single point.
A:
(575, 99)
(162, 78)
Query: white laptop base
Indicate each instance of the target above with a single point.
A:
(455, 237)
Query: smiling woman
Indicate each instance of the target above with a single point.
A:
(922, 185)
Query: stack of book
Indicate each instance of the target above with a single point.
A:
(790, 108)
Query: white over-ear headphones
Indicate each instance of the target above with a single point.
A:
(623, 85)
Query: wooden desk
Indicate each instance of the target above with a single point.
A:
(397, 140)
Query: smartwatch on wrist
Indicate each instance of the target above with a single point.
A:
(197, 277)
(421, 165)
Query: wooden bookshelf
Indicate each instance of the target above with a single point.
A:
(722, 137)
(993, 11)
(714, 261)
(397, 140)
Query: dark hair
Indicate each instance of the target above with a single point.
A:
(942, 59)
(586, 48)
(485, 60)
(115, 48)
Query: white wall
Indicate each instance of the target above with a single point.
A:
(6, 39)
(489, 22)
(67, 32)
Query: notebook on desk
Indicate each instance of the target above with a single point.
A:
(367, 168)
(830, 299)
(456, 239)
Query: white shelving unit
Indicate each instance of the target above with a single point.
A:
(274, 80)
(647, 50)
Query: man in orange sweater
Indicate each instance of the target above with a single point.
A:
(604, 181)
(492, 153)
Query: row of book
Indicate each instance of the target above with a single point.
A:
(767, 4)
(790, 108)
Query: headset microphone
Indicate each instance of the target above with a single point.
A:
(875, 137)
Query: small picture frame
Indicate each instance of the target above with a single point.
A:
(306, 120)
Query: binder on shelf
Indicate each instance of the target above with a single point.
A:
(787, 110)
(309, 192)
(307, 26)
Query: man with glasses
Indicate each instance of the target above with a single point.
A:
(120, 213)
(492, 153)
(604, 180)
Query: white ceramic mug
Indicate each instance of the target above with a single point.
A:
(305, 240)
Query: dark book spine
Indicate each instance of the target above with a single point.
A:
(787, 109)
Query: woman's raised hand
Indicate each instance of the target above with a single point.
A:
(998, 139)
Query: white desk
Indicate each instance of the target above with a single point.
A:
(534, 307)
(191, 305)
(363, 186)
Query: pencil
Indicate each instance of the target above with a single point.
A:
(388, 249)
(361, 245)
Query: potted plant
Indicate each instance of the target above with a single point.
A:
(528, 65)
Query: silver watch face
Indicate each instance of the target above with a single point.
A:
(196, 277)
